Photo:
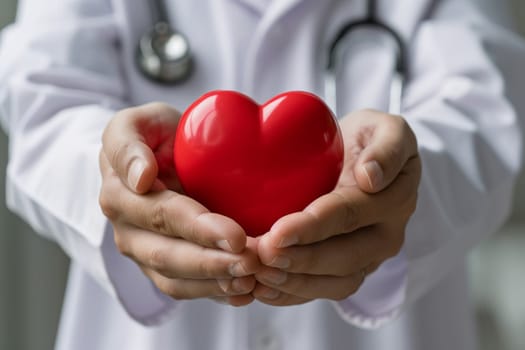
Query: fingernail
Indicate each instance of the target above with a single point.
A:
(224, 245)
(135, 172)
(374, 173)
(238, 270)
(225, 285)
(275, 277)
(288, 241)
(237, 286)
(281, 262)
(269, 293)
(232, 286)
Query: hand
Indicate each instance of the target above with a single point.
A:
(327, 250)
(184, 249)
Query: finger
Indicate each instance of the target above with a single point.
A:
(130, 139)
(339, 256)
(181, 289)
(274, 297)
(236, 286)
(311, 286)
(170, 214)
(347, 209)
(235, 300)
(177, 258)
(385, 152)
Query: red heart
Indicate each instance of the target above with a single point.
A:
(255, 163)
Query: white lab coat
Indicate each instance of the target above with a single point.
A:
(67, 66)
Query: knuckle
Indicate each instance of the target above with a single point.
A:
(409, 133)
(159, 216)
(159, 105)
(349, 214)
(407, 207)
(191, 231)
(397, 123)
(395, 154)
(121, 243)
(395, 243)
(412, 204)
(399, 242)
(157, 259)
(173, 289)
(206, 268)
(350, 287)
(107, 205)
(158, 109)
(344, 293)
(310, 261)
(354, 286)
(396, 247)
(344, 287)
(124, 116)
(405, 131)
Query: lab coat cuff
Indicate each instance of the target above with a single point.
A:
(380, 298)
(139, 297)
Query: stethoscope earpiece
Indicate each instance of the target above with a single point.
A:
(164, 55)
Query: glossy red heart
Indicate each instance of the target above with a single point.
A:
(255, 163)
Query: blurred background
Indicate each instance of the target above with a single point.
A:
(33, 271)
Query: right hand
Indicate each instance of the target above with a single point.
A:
(184, 249)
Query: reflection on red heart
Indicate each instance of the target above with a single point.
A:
(255, 163)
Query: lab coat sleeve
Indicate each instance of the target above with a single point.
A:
(463, 103)
(60, 83)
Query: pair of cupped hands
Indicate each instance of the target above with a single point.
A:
(323, 252)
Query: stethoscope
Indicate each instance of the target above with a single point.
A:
(164, 54)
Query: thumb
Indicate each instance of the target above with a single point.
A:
(385, 154)
(137, 166)
(125, 144)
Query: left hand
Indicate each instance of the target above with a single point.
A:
(327, 250)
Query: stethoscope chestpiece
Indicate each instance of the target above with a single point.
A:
(164, 55)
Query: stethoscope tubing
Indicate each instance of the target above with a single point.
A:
(400, 70)
(147, 54)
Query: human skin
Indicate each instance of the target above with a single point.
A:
(325, 251)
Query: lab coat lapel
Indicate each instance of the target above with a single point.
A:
(271, 9)
(274, 13)
(258, 6)
(278, 8)
(405, 15)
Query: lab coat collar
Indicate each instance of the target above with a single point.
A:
(272, 10)
(276, 10)
(258, 6)
(405, 15)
